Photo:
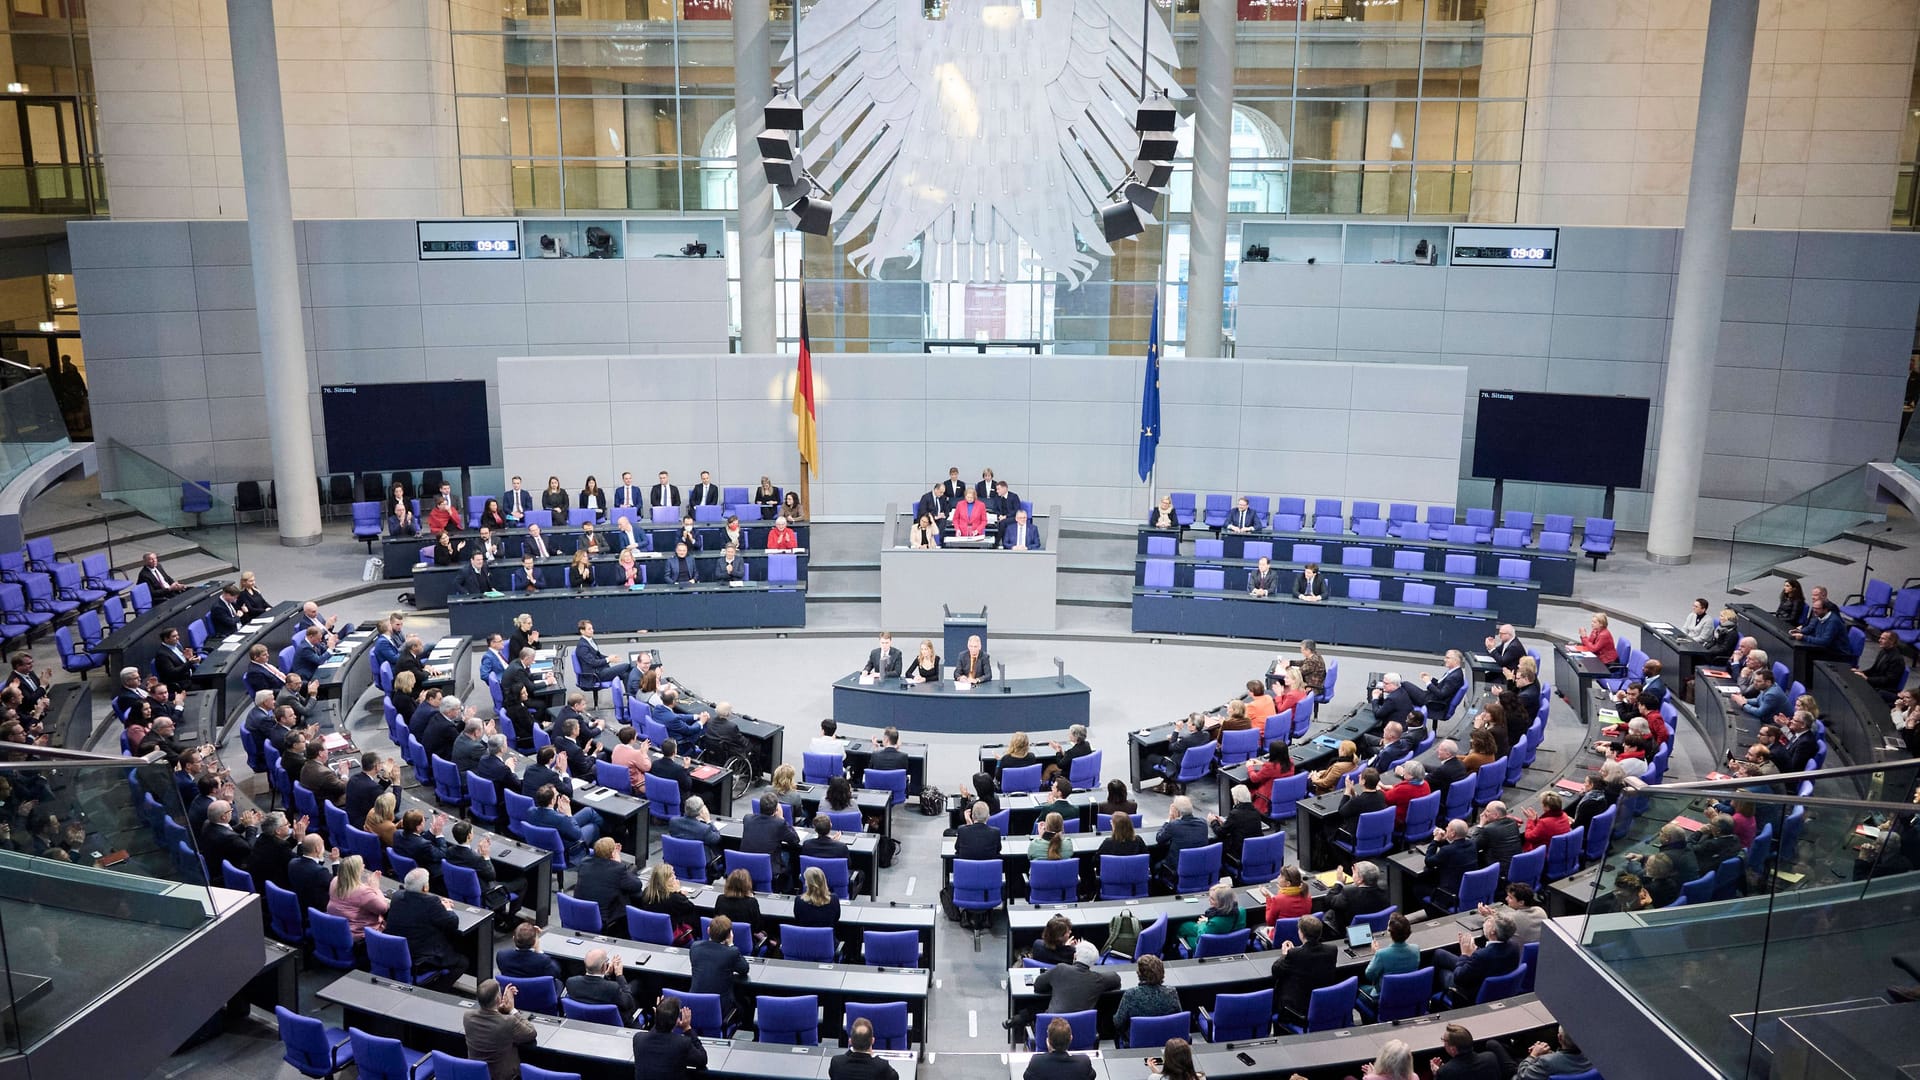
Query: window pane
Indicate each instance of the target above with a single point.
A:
(621, 185)
(1446, 132)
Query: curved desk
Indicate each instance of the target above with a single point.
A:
(1003, 705)
(1378, 624)
(616, 610)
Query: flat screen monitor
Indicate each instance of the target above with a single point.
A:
(1591, 439)
(406, 425)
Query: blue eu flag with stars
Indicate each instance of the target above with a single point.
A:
(1150, 396)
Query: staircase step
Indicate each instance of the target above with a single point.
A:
(166, 545)
(75, 542)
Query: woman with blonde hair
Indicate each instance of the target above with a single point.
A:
(580, 571)
(1052, 842)
(661, 895)
(786, 785)
(356, 897)
(381, 821)
(1019, 752)
(1344, 762)
(925, 666)
(816, 905)
(405, 700)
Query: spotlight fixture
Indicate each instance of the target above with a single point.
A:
(783, 113)
(812, 215)
(1155, 114)
(1141, 196)
(1120, 220)
(774, 144)
(1159, 146)
(782, 172)
(1154, 174)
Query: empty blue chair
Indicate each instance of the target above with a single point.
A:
(1162, 545)
(1052, 881)
(1255, 550)
(1418, 592)
(483, 798)
(592, 1012)
(788, 1021)
(1195, 764)
(283, 915)
(1454, 562)
(1526, 868)
(390, 958)
(1216, 509)
(1158, 574)
(447, 788)
(1125, 877)
(1700, 889)
(1084, 771)
(463, 884)
(448, 1067)
(1509, 538)
(663, 801)
(1307, 553)
(1356, 556)
(893, 781)
(889, 1020)
(810, 944)
(848, 821)
(1152, 1031)
(1330, 1007)
(1363, 589)
(366, 523)
(541, 994)
(1481, 522)
(978, 884)
(332, 940)
(1085, 1025)
(1237, 1017)
(1563, 853)
(897, 948)
(1372, 835)
(381, 1058)
(1365, 511)
(1439, 522)
(1329, 524)
(1403, 520)
(1372, 528)
(1555, 543)
(652, 927)
(1476, 888)
(1423, 814)
(1501, 987)
(1599, 834)
(1022, 779)
(1402, 997)
(235, 878)
(1471, 599)
(311, 1046)
(617, 777)
(546, 839)
(1596, 541)
(1409, 559)
(97, 572)
(1261, 858)
(1286, 795)
(582, 916)
(72, 658)
(1288, 515)
(196, 496)
(1488, 780)
(687, 857)
(821, 768)
(1376, 922)
(1876, 600)
(1231, 943)
(1198, 868)
(1209, 579)
(1327, 508)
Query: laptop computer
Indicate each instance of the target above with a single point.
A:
(1359, 936)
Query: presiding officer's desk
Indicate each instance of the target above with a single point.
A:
(431, 1020)
(433, 586)
(857, 918)
(1514, 601)
(664, 968)
(1003, 705)
(402, 553)
(1552, 569)
(135, 644)
(1018, 586)
(617, 610)
(1381, 624)
(1324, 1055)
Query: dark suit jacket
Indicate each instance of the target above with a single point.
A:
(424, 848)
(603, 990)
(525, 964)
(667, 1055)
(1360, 801)
(1508, 655)
(928, 506)
(362, 790)
(1303, 587)
(854, 1065)
(494, 768)
(1472, 1065)
(716, 967)
(1438, 694)
(668, 495)
(1346, 901)
(1058, 1065)
(982, 668)
(613, 885)
(1243, 519)
(428, 927)
(173, 670)
(889, 668)
(1493, 958)
(310, 881)
(976, 841)
(268, 862)
(681, 571)
(1450, 860)
(1074, 987)
(1446, 773)
(1393, 706)
(1029, 540)
(218, 842)
(1299, 972)
(151, 577)
(225, 619)
(308, 658)
(472, 582)
(769, 834)
(1269, 581)
(703, 495)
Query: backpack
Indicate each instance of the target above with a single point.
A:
(933, 801)
(888, 851)
(1123, 933)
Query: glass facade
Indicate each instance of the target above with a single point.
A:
(1343, 109)
(49, 117)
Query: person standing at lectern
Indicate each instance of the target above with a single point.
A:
(926, 664)
(884, 661)
(975, 666)
(970, 516)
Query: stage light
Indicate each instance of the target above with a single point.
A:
(774, 144)
(782, 173)
(1141, 196)
(1120, 220)
(1154, 174)
(783, 113)
(812, 215)
(1155, 114)
(1158, 147)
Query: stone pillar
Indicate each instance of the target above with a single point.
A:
(1212, 160)
(752, 89)
(276, 278)
(1700, 288)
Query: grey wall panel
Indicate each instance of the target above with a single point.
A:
(1284, 428)
(146, 378)
(652, 381)
(576, 323)
(234, 375)
(156, 423)
(1415, 287)
(1493, 288)
(368, 327)
(1643, 250)
(1643, 296)
(1765, 252)
(1115, 379)
(501, 326)
(1410, 389)
(1855, 257)
(371, 365)
(1756, 299)
(221, 243)
(1886, 304)
(1842, 395)
(168, 333)
(563, 379)
(1516, 334)
(1752, 344)
(234, 330)
(359, 241)
(121, 290)
(1836, 442)
(365, 284)
(1109, 423)
(222, 287)
(566, 281)
(1388, 329)
(95, 244)
(462, 281)
(1844, 348)
(674, 280)
(1602, 337)
(1298, 327)
(1750, 392)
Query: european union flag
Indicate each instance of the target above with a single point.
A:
(1150, 396)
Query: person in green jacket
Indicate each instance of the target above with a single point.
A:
(1395, 958)
(1223, 915)
(1149, 997)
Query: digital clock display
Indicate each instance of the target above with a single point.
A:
(476, 239)
(1504, 246)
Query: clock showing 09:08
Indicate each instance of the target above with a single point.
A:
(1504, 247)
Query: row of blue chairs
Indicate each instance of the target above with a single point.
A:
(38, 590)
(369, 517)
(319, 1051)
(1351, 557)
(1329, 516)
(1159, 575)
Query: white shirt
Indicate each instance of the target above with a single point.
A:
(827, 744)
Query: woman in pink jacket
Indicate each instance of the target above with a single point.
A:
(357, 897)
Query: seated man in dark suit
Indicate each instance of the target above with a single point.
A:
(261, 673)
(552, 810)
(670, 768)
(977, 839)
(824, 843)
(1476, 964)
(767, 833)
(523, 959)
(1823, 629)
(1357, 894)
(423, 844)
(1309, 583)
(174, 662)
(1363, 796)
(1436, 695)
(476, 857)
(883, 660)
(309, 654)
(1390, 701)
(1506, 649)
(603, 982)
(858, 1063)
(1058, 1063)
(473, 580)
(430, 927)
(1451, 854)
(496, 766)
(1021, 534)
(930, 505)
(594, 663)
(309, 874)
(611, 882)
(887, 755)
(1302, 969)
(1243, 518)
(1459, 1059)
(681, 568)
(1393, 743)
(1263, 579)
(155, 577)
(228, 611)
(1075, 986)
(1182, 830)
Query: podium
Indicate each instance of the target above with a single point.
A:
(956, 629)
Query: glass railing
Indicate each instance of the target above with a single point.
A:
(1787, 530)
(30, 424)
(1808, 915)
(187, 507)
(100, 878)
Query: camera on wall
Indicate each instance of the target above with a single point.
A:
(695, 250)
(1256, 253)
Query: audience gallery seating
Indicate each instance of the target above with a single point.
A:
(1514, 528)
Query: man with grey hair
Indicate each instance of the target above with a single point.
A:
(977, 839)
(221, 838)
(497, 766)
(1498, 837)
(1390, 701)
(1393, 744)
(297, 695)
(495, 1032)
(1506, 650)
(1447, 767)
(471, 745)
(1449, 856)
(440, 732)
(259, 721)
(1358, 893)
(431, 929)
(1241, 824)
(604, 983)
(1182, 831)
(274, 850)
(1476, 964)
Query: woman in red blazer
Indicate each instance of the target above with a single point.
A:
(1598, 640)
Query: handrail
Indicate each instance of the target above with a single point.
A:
(62, 756)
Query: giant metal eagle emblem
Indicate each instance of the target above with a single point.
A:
(995, 123)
